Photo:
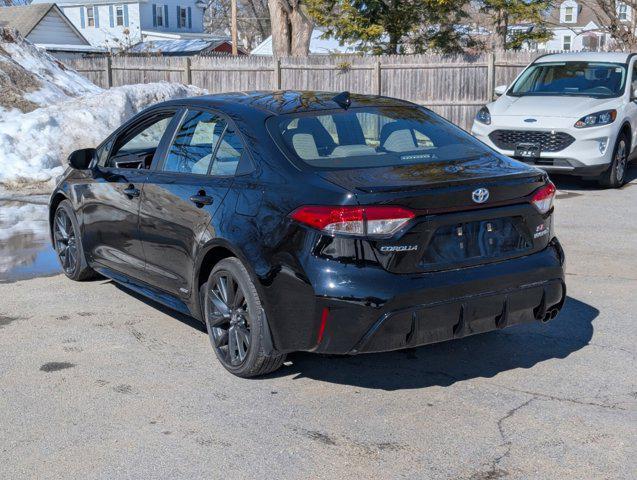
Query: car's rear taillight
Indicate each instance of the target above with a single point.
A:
(543, 197)
(376, 220)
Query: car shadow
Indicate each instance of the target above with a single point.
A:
(575, 184)
(186, 319)
(444, 364)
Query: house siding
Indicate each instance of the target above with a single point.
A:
(195, 12)
(104, 35)
(53, 29)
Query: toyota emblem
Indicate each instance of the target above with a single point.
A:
(480, 195)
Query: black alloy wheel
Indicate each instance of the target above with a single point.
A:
(68, 244)
(65, 241)
(236, 322)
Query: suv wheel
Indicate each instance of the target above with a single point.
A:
(68, 244)
(235, 321)
(615, 176)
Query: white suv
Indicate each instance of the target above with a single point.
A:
(573, 113)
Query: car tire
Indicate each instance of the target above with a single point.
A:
(67, 241)
(615, 176)
(236, 322)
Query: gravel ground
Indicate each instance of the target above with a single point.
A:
(98, 383)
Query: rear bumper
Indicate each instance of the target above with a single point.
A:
(343, 309)
(464, 316)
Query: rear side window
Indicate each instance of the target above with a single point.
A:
(373, 137)
(205, 145)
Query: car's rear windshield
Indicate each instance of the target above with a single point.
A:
(374, 137)
(592, 79)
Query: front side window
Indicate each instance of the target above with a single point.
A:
(204, 145)
(90, 17)
(593, 79)
(119, 11)
(136, 148)
(373, 137)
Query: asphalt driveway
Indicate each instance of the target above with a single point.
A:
(98, 383)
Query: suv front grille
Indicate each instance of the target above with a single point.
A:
(548, 141)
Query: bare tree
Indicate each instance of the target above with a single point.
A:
(618, 19)
(291, 28)
(253, 20)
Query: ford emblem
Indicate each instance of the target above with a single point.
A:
(530, 120)
(480, 195)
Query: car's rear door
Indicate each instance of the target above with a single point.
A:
(184, 193)
(112, 196)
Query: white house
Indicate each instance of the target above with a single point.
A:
(46, 26)
(574, 25)
(116, 24)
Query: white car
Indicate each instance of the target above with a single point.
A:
(572, 113)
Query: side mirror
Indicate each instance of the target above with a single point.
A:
(500, 90)
(633, 94)
(82, 159)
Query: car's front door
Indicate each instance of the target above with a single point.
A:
(182, 196)
(110, 213)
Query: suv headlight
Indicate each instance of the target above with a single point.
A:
(484, 116)
(596, 119)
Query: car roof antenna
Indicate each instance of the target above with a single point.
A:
(343, 100)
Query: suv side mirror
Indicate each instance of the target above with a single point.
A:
(500, 90)
(82, 159)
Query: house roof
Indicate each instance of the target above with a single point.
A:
(177, 47)
(585, 15)
(318, 45)
(24, 18)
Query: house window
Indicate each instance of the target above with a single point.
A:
(90, 17)
(119, 16)
(160, 15)
(566, 43)
(183, 17)
(568, 15)
(622, 12)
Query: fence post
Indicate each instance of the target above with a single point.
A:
(276, 74)
(109, 71)
(378, 77)
(188, 70)
(490, 76)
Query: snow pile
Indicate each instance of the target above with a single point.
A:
(34, 146)
(30, 77)
(48, 110)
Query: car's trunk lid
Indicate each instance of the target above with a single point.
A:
(452, 229)
(441, 186)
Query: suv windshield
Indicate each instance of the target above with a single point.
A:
(374, 137)
(592, 79)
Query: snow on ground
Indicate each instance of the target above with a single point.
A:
(48, 110)
(34, 146)
(30, 77)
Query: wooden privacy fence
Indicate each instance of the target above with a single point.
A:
(454, 87)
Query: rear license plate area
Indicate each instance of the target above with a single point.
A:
(460, 243)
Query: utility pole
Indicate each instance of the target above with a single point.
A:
(233, 27)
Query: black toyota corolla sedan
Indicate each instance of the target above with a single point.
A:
(310, 221)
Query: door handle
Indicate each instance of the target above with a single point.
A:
(201, 199)
(131, 191)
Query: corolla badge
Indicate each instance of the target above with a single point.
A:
(530, 120)
(480, 195)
